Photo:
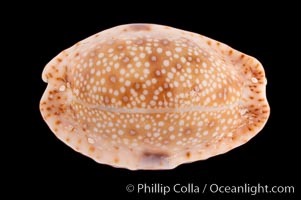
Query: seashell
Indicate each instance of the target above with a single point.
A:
(146, 96)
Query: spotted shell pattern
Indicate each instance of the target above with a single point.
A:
(146, 96)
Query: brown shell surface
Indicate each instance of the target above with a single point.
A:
(146, 96)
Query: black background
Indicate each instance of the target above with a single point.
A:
(46, 165)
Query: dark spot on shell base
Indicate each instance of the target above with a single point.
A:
(153, 160)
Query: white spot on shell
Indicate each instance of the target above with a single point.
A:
(159, 50)
(125, 60)
(62, 88)
(178, 49)
(122, 89)
(113, 79)
(171, 128)
(161, 123)
(147, 126)
(254, 80)
(120, 132)
(200, 123)
(243, 111)
(91, 140)
(100, 55)
(127, 83)
(166, 63)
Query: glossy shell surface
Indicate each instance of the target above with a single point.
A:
(146, 96)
